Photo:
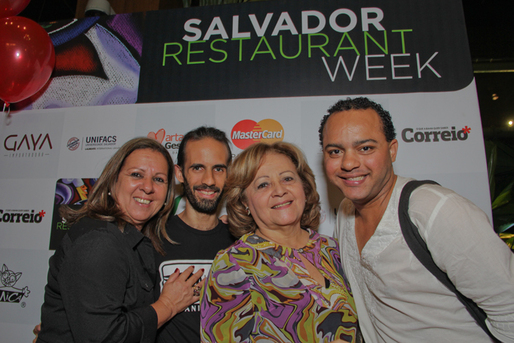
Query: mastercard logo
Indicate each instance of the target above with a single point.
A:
(248, 132)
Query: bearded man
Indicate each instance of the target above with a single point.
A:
(202, 163)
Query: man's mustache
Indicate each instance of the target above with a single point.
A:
(205, 188)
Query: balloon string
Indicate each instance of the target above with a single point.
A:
(8, 116)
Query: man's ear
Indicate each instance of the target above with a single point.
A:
(178, 174)
(393, 149)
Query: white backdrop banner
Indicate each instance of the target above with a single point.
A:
(262, 71)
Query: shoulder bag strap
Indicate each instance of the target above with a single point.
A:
(420, 250)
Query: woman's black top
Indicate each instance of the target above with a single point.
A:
(100, 286)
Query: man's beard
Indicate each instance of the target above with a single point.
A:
(202, 205)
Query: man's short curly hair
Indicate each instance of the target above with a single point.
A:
(361, 103)
(243, 172)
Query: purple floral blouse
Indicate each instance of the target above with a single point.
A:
(258, 290)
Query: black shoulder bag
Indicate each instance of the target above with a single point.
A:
(420, 250)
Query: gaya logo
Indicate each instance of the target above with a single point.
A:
(169, 141)
(31, 142)
(248, 132)
(9, 293)
(21, 216)
(435, 134)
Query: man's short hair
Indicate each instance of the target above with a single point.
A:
(361, 103)
(200, 133)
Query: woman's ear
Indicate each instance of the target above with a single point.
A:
(245, 205)
(178, 174)
(243, 201)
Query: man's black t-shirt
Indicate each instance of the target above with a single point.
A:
(195, 248)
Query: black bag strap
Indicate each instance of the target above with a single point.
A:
(420, 250)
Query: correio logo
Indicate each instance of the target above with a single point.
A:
(248, 132)
(435, 134)
(21, 216)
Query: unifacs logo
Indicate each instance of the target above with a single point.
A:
(92, 143)
(169, 141)
(435, 134)
(21, 216)
(28, 145)
(248, 132)
(73, 143)
(99, 142)
(100, 139)
(9, 293)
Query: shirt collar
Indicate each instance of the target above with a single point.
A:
(132, 235)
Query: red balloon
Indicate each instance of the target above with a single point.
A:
(9, 8)
(27, 58)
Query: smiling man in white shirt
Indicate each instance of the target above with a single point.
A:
(397, 298)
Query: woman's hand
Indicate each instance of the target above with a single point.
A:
(177, 294)
(36, 331)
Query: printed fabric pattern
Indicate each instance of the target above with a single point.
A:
(258, 290)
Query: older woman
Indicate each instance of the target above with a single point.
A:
(101, 278)
(281, 281)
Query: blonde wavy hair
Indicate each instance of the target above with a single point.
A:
(242, 173)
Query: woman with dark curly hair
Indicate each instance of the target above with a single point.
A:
(281, 281)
